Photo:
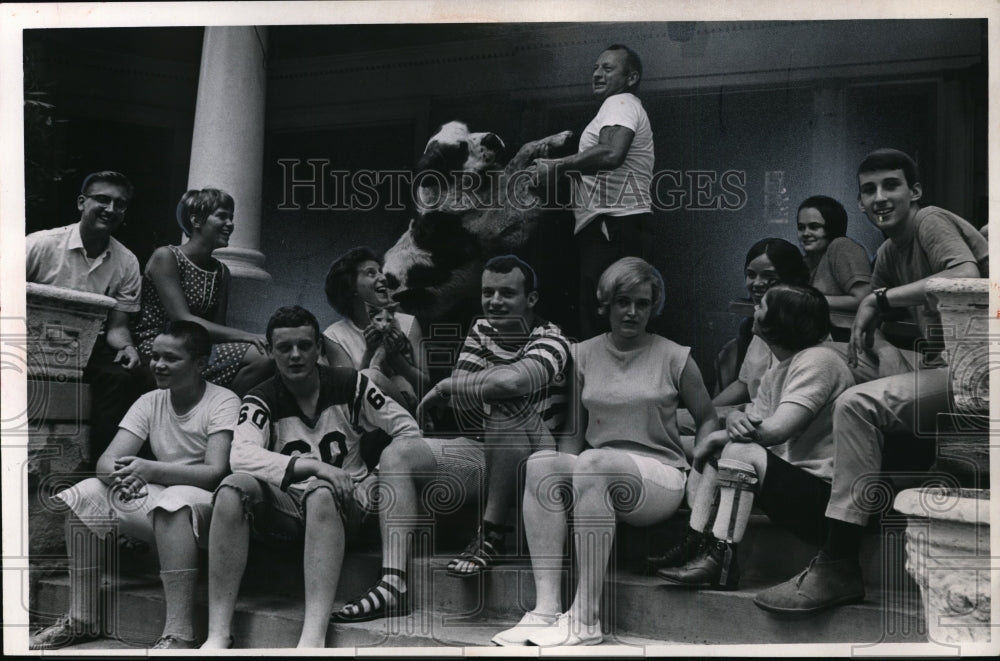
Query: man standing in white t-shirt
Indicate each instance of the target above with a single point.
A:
(611, 175)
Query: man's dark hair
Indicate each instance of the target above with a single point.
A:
(785, 257)
(891, 159)
(291, 316)
(108, 177)
(796, 317)
(832, 211)
(192, 335)
(507, 263)
(342, 278)
(631, 60)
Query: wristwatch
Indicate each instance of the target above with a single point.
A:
(881, 300)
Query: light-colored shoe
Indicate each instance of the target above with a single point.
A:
(567, 631)
(532, 622)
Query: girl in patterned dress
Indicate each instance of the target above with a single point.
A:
(186, 282)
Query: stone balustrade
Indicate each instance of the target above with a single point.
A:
(63, 325)
(948, 528)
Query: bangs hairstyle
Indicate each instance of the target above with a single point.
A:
(785, 257)
(342, 278)
(796, 317)
(201, 204)
(833, 213)
(507, 263)
(192, 335)
(626, 273)
(291, 316)
(108, 177)
(891, 159)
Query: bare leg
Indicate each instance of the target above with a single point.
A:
(324, 556)
(403, 469)
(509, 438)
(546, 499)
(228, 544)
(178, 553)
(503, 457)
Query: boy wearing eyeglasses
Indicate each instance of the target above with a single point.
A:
(85, 257)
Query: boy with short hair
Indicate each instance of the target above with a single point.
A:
(921, 243)
(85, 257)
(297, 465)
(188, 423)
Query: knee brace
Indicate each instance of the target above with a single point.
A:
(736, 481)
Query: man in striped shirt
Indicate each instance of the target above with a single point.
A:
(509, 392)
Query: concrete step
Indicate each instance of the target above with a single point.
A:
(453, 611)
(462, 611)
(274, 621)
(768, 554)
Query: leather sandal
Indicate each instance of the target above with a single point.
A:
(373, 604)
(481, 553)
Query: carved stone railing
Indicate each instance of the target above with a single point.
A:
(948, 528)
(63, 325)
(948, 555)
(964, 307)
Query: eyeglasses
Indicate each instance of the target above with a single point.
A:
(107, 201)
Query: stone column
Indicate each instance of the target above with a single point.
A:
(227, 150)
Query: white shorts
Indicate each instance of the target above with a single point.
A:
(662, 490)
(103, 510)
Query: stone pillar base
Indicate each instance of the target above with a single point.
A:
(244, 263)
(948, 555)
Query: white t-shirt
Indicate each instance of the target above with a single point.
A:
(812, 378)
(757, 361)
(623, 191)
(181, 439)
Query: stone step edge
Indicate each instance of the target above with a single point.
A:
(376, 633)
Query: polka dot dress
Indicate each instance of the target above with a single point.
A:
(201, 292)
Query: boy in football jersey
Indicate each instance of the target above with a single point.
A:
(297, 467)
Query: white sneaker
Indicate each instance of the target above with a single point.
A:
(532, 622)
(567, 631)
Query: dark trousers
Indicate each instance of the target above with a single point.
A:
(628, 236)
(113, 389)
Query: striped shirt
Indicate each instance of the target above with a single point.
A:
(487, 347)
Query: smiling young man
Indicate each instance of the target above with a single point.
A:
(921, 243)
(509, 384)
(167, 500)
(85, 257)
(610, 175)
(297, 466)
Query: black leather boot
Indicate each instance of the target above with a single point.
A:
(679, 554)
(715, 568)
